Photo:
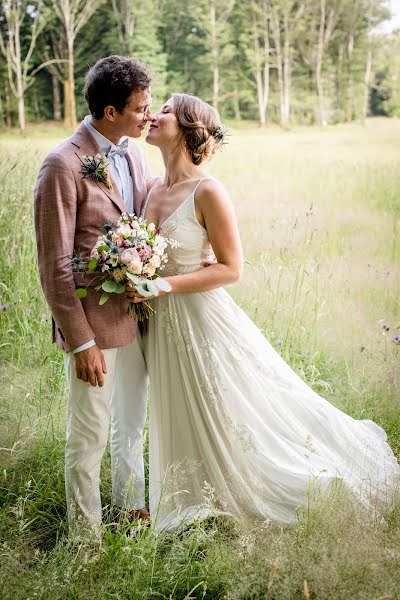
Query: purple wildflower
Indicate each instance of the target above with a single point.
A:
(396, 339)
(28, 311)
(385, 327)
(278, 342)
(4, 306)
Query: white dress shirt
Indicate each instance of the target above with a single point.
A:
(119, 170)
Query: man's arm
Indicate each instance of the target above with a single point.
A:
(55, 220)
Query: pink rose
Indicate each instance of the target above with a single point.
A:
(130, 255)
(145, 252)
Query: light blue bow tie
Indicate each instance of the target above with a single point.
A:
(120, 149)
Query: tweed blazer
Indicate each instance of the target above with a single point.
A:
(69, 214)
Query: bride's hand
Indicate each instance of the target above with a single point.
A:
(134, 297)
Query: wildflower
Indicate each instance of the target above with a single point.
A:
(278, 342)
(4, 306)
(385, 327)
(28, 311)
(396, 339)
(118, 275)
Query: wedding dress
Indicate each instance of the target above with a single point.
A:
(232, 428)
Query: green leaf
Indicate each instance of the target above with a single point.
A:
(98, 287)
(103, 299)
(81, 292)
(92, 264)
(119, 288)
(162, 284)
(108, 286)
(103, 247)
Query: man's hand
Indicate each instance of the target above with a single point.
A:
(90, 366)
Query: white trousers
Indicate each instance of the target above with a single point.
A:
(124, 397)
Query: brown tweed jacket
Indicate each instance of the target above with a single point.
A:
(69, 214)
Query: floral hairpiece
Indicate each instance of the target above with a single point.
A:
(220, 134)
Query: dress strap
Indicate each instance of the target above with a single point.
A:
(143, 211)
(198, 183)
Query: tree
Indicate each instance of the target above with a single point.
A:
(258, 53)
(286, 23)
(18, 55)
(73, 15)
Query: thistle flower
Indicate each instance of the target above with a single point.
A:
(278, 342)
(396, 339)
(385, 327)
(4, 306)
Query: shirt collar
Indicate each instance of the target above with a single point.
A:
(104, 143)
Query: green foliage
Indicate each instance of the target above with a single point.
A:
(175, 39)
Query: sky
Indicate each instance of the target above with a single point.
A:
(394, 23)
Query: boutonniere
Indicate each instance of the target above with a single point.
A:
(96, 167)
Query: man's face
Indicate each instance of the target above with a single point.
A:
(133, 118)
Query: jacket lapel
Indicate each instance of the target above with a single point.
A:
(85, 145)
(136, 192)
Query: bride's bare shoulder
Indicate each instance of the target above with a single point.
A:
(211, 191)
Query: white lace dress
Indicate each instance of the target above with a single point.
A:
(233, 429)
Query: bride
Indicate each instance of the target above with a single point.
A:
(233, 429)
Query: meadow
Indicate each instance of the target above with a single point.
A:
(319, 215)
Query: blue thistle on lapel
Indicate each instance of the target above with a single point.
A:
(96, 168)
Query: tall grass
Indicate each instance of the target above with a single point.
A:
(319, 215)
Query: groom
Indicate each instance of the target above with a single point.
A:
(103, 356)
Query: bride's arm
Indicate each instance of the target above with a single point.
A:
(215, 212)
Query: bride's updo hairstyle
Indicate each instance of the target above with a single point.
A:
(202, 131)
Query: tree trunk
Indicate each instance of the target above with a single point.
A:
(350, 86)
(367, 76)
(287, 68)
(8, 103)
(69, 91)
(214, 55)
(278, 52)
(56, 98)
(318, 69)
(21, 112)
(261, 71)
(19, 82)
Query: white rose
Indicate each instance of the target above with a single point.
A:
(155, 261)
(149, 269)
(135, 267)
(151, 227)
(135, 225)
(144, 235)
(124, 231)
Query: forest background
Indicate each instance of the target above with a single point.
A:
(271, 61)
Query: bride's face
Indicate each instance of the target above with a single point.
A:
(164, 128)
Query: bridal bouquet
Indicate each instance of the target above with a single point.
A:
(129, 253)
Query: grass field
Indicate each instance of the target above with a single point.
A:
(319, 214)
